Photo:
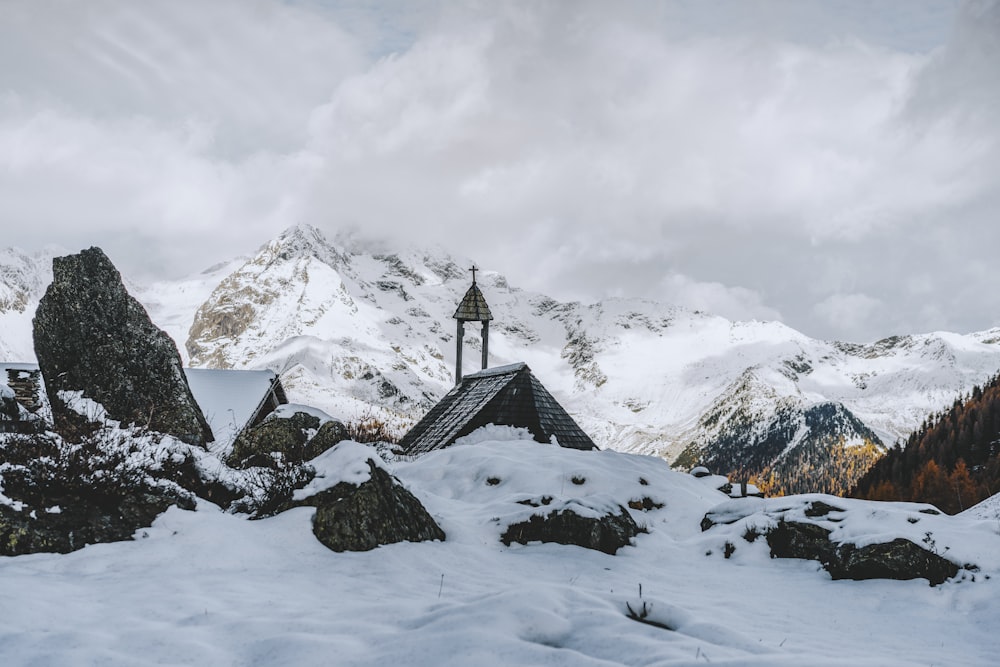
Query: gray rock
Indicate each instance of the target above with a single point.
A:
(329, 434)
(803, 527)
(607, 533)
(91, 335)
(289, 437)
(379, 511)
(793, 539)
(899, 559)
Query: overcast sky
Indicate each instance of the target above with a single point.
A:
(833, 165)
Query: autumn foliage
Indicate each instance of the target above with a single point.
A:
(952, 461)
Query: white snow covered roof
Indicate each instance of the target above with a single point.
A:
(230, 399)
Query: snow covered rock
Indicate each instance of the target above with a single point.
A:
(606, 533)
(91, 335)
(852, 539)
(297, 437)
(360, 517)
(60, 496)
(898, 559)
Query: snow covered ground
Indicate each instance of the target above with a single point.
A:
(209, 588)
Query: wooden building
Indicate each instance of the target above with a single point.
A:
(505, 396)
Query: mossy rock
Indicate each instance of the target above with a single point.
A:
(296, 439)
(329, 434)
(607, 533)
(379, 511)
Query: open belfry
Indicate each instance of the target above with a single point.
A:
(472, 308)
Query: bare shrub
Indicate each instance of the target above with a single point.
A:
(103, 467)
(268, 490)
(370, 428)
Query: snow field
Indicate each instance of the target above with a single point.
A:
(209, 588)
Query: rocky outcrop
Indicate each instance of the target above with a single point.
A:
(607, 533)
(328, 435)
(808, 527)
(298, 438)
(898, 559)
(378, 511)
(90, 335)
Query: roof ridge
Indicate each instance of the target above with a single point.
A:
(497, 370)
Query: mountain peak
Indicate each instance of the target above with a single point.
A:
(300, 241)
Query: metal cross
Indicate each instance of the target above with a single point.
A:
(473, 269)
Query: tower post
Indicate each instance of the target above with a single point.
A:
(486, 344)
(460, 334)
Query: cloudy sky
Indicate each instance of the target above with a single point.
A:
(834, 165)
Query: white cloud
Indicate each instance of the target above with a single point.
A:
(583, 149)
(848, 314)
(734, 303)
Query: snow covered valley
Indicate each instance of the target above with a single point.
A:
(209, 588)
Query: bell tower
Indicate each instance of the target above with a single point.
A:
(473, 308)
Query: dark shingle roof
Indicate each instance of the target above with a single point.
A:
(507, 396)
(473, 307)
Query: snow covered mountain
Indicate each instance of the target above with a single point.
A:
(356, 328)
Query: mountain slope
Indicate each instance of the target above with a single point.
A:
(355, 327)
(23, 279)
(952, 460)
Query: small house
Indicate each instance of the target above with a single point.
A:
(505, 396)
(234, 400)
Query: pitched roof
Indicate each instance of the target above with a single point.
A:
(231, 399)
(507, 396)
(473, 307)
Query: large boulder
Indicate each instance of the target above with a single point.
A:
(897, 559)
(90, 335)
(852, 539)
(298, 437)
(606, 533)
(360, 517)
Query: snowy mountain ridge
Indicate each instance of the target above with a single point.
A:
(355, 328)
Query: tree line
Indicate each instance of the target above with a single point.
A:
(951, 461)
